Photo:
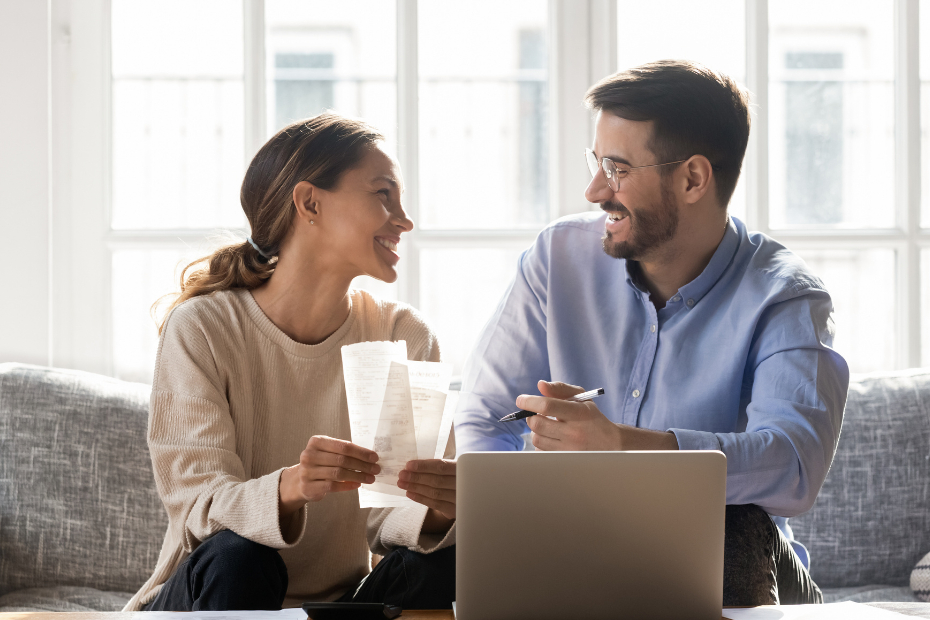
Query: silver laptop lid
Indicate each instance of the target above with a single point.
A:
(555, 535)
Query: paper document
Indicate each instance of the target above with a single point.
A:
(284, 614)
(398, 408)
(831, 611)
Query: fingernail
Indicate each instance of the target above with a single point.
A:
(369, 479)
(520, 400)
(376, 469)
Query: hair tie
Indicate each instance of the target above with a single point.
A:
(258, 249)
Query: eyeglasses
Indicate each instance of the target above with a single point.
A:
(614, 171)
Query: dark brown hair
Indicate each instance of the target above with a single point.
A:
(317, 150)
(694, 111)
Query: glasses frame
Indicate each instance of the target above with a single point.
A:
(612, 173)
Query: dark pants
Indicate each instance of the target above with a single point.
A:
(759, 565)
(228, 571)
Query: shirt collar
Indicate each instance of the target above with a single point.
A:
(692, 292)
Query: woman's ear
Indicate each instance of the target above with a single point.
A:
(306, 201)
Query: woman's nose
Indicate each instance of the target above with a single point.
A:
(401, 220)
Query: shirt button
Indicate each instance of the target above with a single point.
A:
(690, 303)
(676, 298)
(652, 328)
(635, 393)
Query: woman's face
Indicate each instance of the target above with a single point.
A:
(362, 218)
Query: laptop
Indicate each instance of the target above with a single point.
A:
(594, 535)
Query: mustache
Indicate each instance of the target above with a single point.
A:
(612, 206)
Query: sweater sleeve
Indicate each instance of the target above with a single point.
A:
(390, 528)
(192, 440)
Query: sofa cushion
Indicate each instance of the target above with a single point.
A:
(78, 505)
(869, 594)
(63, 598)
(871, 521)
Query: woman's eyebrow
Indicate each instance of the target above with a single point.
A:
(391, 180)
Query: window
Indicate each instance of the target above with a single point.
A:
(470, 105)
(820, 174)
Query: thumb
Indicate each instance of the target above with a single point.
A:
(557, 389)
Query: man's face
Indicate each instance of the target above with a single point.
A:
(642, 214)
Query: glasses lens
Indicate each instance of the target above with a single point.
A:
(591, 158)
(611, 172)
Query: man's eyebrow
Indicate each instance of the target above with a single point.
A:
(616, 159)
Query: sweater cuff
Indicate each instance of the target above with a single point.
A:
(403, 528)
(695, 440)
(291, 530)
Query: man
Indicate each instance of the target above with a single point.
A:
(705, 337)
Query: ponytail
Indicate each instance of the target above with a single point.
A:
(233, 266)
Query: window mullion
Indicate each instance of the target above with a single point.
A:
(756, 167)
(253, 79)
(907, 178)
(408, 143)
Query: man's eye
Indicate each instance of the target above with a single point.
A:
(386, 192)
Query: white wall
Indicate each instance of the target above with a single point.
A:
(25, 174)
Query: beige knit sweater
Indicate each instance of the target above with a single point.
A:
(234, 402)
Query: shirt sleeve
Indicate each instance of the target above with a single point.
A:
(390, 528)
(797, 389)
(511, 356)
(191, 437)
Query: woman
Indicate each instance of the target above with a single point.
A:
(249, 369)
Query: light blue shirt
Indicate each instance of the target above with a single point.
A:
(739, 360)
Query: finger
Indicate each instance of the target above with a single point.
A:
(440, 495)
(545, 444)
(447, 509)
(315, 458)
(430, 480)
(557, 408)
(341, 446)
(319, 489)
(557, 389)
(337, 474)
(546, 427)
(442, 467)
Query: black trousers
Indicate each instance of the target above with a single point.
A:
(228, 571)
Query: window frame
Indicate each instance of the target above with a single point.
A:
(582, 44)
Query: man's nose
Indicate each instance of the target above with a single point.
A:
(598, 191)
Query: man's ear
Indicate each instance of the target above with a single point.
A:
(699, 175)
(306, 201)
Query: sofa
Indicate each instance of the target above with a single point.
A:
(81, 523)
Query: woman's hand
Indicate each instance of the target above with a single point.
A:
(431, 482)
(327, 465)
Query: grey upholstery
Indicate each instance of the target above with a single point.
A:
(78, 505)
(871, 521)
(81, 524)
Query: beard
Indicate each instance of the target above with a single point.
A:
(649, 229)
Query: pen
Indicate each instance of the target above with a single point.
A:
(577, 398)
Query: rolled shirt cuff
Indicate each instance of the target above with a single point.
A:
(695, 440)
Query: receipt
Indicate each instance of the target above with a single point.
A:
(400, 409)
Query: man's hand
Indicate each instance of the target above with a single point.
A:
(431, 482)
(582, 426)
(327, 465)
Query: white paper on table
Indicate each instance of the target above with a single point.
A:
(283, 614)
(831, 611)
